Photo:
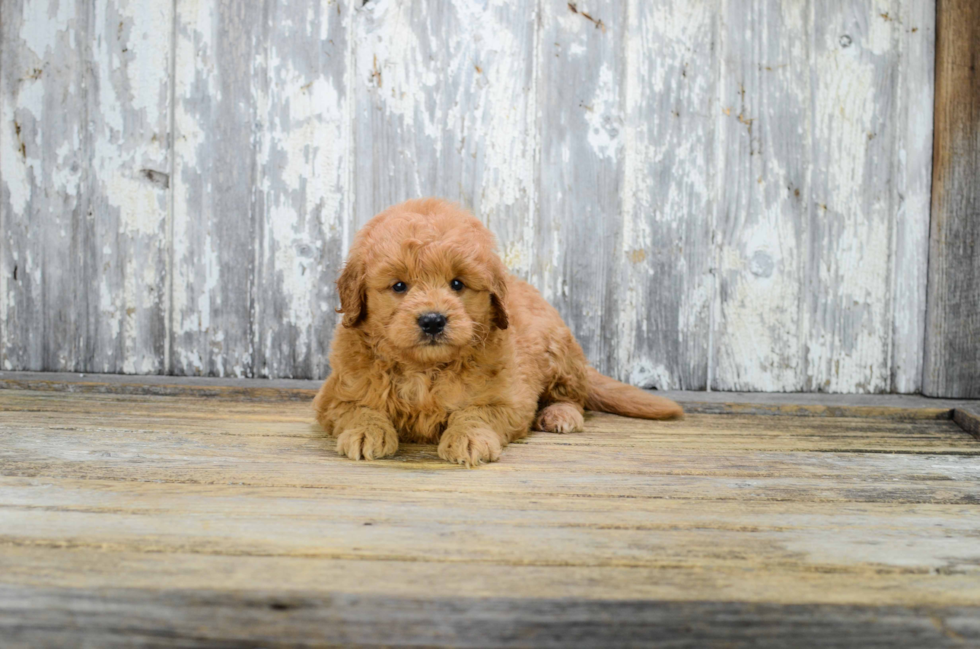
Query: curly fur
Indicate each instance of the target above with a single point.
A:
(504, 362)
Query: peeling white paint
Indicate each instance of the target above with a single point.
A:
(128, 178)
(666, 184)
(647, 374)
(505, 114)
(848, 338)
(190, 308)
(689, 130)
(42, 28)
(604, 117)
(390, 59)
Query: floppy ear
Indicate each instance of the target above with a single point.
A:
(350, 285)
(498, 293)
(498, 314)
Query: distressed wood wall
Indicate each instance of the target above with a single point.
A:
(730, 194)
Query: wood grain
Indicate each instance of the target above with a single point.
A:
(444, 107)
(763, 193)
(663, 259)
(848, 291)
(48, 617)
(179, 182)
(37, 97)
(952, 355)
(85, 167)
(580, 125)
(129, 121)
(303, 170)
(215, 220)
(128, 518)
(969, 419)
(902, 407)
(913, 180)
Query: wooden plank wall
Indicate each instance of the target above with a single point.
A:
(952, 352)
(730, 194)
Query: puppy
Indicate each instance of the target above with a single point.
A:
(440, 344)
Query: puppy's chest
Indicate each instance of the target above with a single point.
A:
(419, 404)
(430, 393)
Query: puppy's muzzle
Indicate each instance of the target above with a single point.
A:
(432, 323)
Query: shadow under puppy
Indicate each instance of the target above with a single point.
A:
(439, 343)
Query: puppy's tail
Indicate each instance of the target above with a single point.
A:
(609, 395)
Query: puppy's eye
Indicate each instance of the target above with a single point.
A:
(399, 287)
(457, 285)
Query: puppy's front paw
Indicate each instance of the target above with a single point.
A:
(469, 446)
(560, 418)
(367, 441)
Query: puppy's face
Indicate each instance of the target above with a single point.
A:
(426, 285)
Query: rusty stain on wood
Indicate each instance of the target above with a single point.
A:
(575, 10)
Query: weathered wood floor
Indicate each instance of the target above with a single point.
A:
(163, 520)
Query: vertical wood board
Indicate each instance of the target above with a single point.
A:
(663, 258)
(128, 112)
(580, 123)
(214, 230)
(952, 355)
(852, 201)
(913, 182)
(302, 199)
(44, 166)
(762, 193)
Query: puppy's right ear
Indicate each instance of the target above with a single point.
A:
(353, 297)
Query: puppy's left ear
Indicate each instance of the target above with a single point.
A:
(498, 315)
(498, 293)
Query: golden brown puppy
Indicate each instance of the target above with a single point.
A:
(439, 343)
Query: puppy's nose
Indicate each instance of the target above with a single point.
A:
(432, 323)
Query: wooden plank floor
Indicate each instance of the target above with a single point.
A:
(163, 520)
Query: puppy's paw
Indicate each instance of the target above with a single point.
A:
(560, 418)
(368, 441)
(469, 446)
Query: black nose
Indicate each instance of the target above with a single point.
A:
(432, 323)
